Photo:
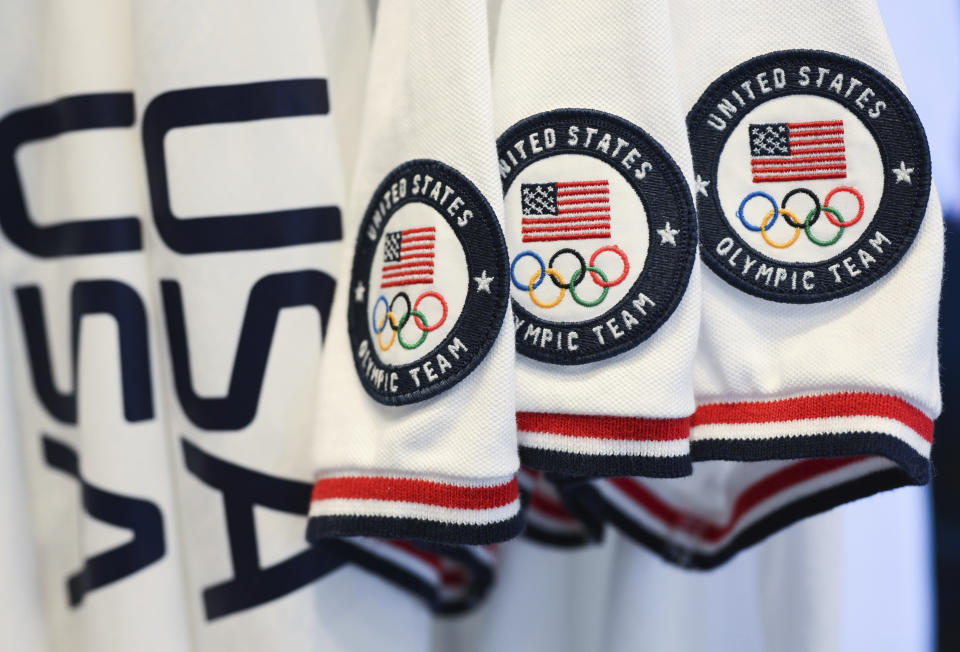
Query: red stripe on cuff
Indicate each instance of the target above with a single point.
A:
(845, 404)
(449, 572)
(602, 427)
(416, 491)
(549, 507)
(751, 497)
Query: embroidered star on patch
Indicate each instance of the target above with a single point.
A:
(668, 235)
(412, 311)
(701, 184)
(903, 172)
(483, 282)
(814, 162)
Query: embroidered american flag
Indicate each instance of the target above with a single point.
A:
(408, 257)
(565, 210)
(797, 151)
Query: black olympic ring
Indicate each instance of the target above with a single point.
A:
(583, 268)
(809, 193)
(406, 313)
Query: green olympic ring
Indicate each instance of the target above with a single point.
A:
(813, 238)
(423, 333)
(576, 279)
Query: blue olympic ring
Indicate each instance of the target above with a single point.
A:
(513, 267)
(373, 316)
(773, 202)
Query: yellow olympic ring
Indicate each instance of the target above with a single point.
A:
(559, 279)
(394, 330)
(780, 245)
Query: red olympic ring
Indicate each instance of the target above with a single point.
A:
(626, 266)
(834, 220)
(416, 306)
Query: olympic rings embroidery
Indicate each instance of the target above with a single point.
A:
(833, 215)
(397, 323)
(547, 270)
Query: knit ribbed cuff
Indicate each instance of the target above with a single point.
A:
(841, 447)
(593, 445)
(450, 579)
(412, 508)
(823, 425)
(548, 520)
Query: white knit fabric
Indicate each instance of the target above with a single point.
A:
(775, 381)
(752, 349)
(856, 578)
(430, 94)
(813, 587)
(21, 603)
(882, 339)
(616, 57)
(54, 50)
(428, 97)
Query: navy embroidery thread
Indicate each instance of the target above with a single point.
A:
(660, 186)
(473, 222)
(886, 114)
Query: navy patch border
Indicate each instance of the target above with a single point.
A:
(899, 136)
(665, 196)
(483, 313)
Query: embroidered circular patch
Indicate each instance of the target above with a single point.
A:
(429, 283)
(602, 234)
(813, 175)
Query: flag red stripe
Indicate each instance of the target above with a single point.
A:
(582, 200)
(810, 144)
(567, 220)
(571, 193)
(410, 269)
(585, 228)
(559, 228)
(799, 177)
(584, 210)
(584, 194)
(815, 127)
(419, 238)
(414, 263)
(818, 150)
(426, 246)
(412, 281)
(416, 271)
(408, 490)
(821, 123)
(758, 169)
(796, 159)
(574, 184)
(406, 272)
(810, 133)
(417, 255)
(576, 211)
(569, 236)
(579, 216)
(815, 141)
(817, 130)
(422, 229)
